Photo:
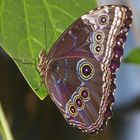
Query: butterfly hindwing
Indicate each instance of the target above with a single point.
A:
(68, 83)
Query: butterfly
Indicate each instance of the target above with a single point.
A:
(79, 71)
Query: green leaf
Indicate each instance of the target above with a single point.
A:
(22, 32)
(133, 57)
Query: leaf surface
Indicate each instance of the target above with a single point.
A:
(22, 32)
(133, 57)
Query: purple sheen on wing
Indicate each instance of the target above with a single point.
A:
(72, 109)
(113, 76)
(84, 93)
(121, 37)
(113, 86)
(121, 40)
(118, 51)
(111, 99)
(128, 21)
(124, 29)
(78, 102)
(108, 112)
(86, 70)
(114, 65)
(129, 14)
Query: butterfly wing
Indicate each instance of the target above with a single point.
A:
(84, 100)
(105, 27)
(82, 65)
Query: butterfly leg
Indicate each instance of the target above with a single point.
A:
(32, 62)
(26, 61)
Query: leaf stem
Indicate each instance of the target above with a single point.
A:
(5, 130)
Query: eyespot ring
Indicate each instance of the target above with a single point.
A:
(96, 49)
(85, 69)
(99, 36)
(84, 93)
(72, 109)
(103, 20)
(78, 102)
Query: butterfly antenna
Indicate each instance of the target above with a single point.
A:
(53, 35)
(46, 40)
(51, 38)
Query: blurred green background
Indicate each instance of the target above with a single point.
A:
(30, 118)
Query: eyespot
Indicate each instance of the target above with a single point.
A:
(86, 70)
(96, 49)
(103, 20)
(72, 109)
(99, 36)
(78, 102)
(84, 93)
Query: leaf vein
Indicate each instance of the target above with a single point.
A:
(28, 33)
(61, 10)
(49, 13)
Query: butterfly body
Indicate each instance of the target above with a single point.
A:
(79, 71)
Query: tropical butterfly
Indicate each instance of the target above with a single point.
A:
(79, 71)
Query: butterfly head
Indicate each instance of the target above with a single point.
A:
(42, 65)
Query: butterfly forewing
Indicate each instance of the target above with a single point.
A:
(80, 67)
